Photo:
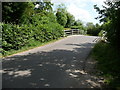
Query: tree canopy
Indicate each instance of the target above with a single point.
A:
(12, 11)
(61, 15)
(110, 16)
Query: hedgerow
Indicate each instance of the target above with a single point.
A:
(39, 29)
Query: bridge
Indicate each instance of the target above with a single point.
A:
(73, 32)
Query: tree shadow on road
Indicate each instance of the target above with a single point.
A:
(54, 69)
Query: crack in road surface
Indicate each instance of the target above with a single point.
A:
(61, 64)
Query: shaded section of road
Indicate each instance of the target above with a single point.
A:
(57, 65)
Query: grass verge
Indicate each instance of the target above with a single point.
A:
(108, 62)
(31, 45)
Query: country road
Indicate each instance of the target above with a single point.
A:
(56, 65)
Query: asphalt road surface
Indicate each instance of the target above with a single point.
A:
(57, 65)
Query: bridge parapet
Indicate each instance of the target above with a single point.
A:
(71, 32)
(74, 32)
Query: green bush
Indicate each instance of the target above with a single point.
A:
(14, 36)
(93, 31)
(41, 29)
(83, 32)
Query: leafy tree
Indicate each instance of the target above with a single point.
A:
(13, 11)
(28, 13)
(110, 63)
(70, 20)
(97, 29)
(21, 12)
(61, 15)
(33, 24)
(43, 7)
(110, 15)
(78, 23)
(90, 25)
(93, 29)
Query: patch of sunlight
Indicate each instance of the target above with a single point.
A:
(33, 84)
(74, 60)
(40, 65)
(47, 85)
(47, 63)
(56, 60)
(73, 75)
(10, 72)
(83, 83)
(94, 77)
(2, 71)
(79, 71)
(22, 73)
(75, 51)
(74, 57)
(91, 62)
(62, 65)
(81, 61)
(42, 79)
(58, 64)
(68, 70)
(73, 65)
(19, 65)
(17, 73)
(5, 70)
(61, 60)
(76, 71)
(10, 59)
(24, 59)
(71, 87)
(84, 47)
(93, 83)
(101, 81)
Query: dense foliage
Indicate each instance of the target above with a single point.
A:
(40, 24)
(61, 15)
(12, 11)
(70, 20)
(110, 16)
(92, 29)
(64, 17)
(107, 54)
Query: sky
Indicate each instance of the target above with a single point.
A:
(81, 9)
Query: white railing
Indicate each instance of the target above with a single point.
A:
(71, 32)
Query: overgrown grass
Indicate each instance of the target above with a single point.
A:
(31, 45)
(108, 62)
